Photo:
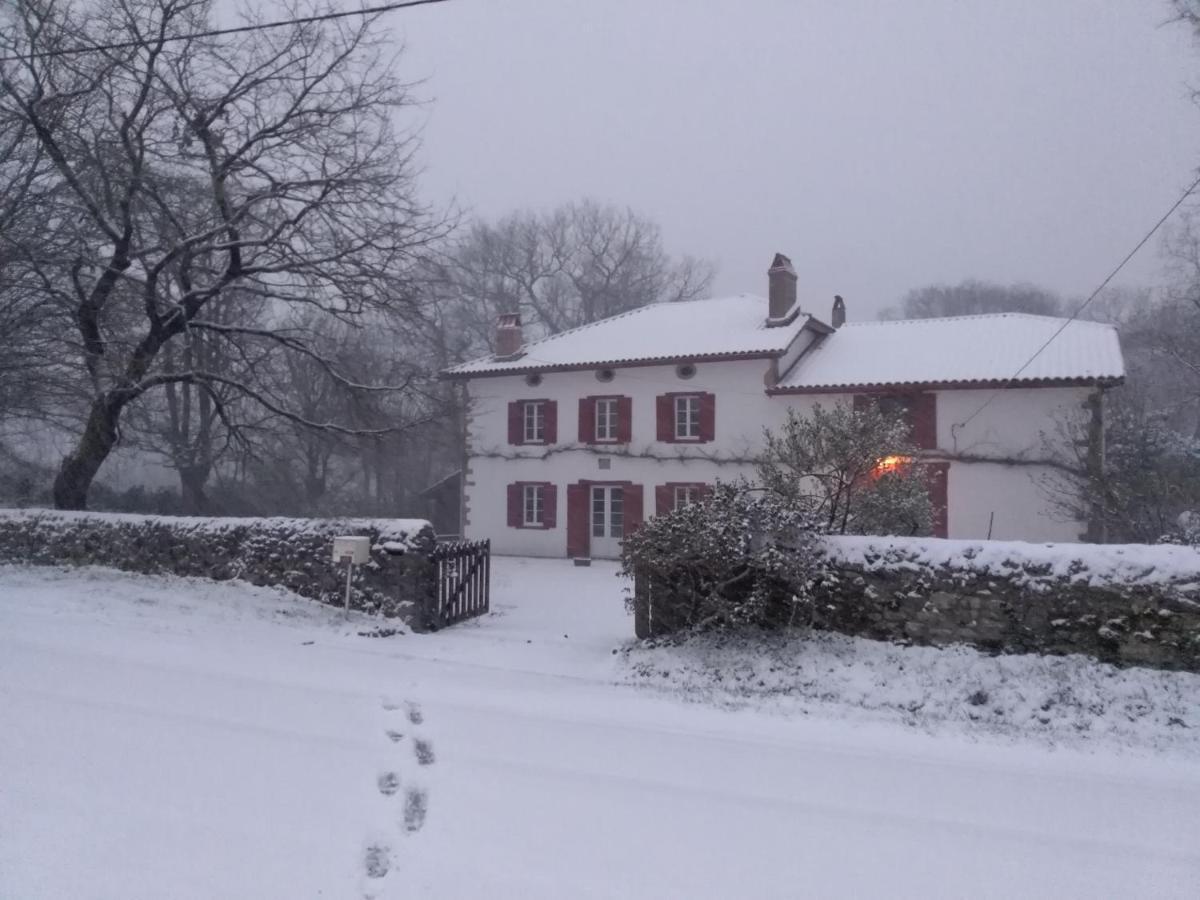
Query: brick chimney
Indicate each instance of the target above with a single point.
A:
(838, 318)
(509, 338)
(781, 290)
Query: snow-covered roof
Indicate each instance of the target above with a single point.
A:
(959, 350)
(725, 328)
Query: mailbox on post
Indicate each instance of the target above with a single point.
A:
(351, 551)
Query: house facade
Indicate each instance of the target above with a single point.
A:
(574, 440)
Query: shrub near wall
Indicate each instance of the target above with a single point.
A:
(1124, 604)
(291, 553)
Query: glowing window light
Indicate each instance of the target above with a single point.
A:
(890, 464)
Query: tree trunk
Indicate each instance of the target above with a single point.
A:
(80, 466)
(192, 482)
(1097, 524)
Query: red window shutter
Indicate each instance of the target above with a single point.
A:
(624, 420)
(665, 414)
(704, 489)
(549, 506)
(923, 420)
(516, 422)
(516, 510)
(708, 417)
(550, 408)
(577, 520)
(938, 481)
(587, 420)
(633, 508)
(664, 499)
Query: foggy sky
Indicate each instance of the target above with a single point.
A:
(882, 145)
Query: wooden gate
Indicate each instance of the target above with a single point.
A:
(463, 573)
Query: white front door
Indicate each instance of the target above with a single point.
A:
(608, 521)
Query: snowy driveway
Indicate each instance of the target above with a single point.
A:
(163, 738)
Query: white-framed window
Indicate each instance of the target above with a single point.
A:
(533, 502)
(687, 417)
(684, 495)
(535, 422)
(606, 419)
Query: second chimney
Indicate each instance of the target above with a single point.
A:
(781, 290)
(838, 319)
(509, 337)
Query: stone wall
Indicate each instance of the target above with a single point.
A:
(1123, 605)
(291, 553)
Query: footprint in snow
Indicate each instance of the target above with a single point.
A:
(376, 861)
(416, 804)
(423, 750)
(416, 799)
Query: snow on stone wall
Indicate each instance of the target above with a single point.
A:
(1040, 567)
(1123, 604)
(292, 553)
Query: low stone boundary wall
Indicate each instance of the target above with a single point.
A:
(1123, 604)
(291, 553)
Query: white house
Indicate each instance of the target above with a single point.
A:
(572, 440)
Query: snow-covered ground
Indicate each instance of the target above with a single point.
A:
(184, 739)
(1069, 701)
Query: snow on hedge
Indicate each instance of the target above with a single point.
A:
(398, 533)
(1038, 566)
(291, 553)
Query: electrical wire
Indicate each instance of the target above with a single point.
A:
(218, 32)
(1082, 306)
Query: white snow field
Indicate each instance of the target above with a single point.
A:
(164, 738)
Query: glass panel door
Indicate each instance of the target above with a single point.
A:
(607, 520)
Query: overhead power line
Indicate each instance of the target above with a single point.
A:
(1082, 306)
(218, 32)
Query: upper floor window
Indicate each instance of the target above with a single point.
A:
(535, 422)
(687, 417)
(606, 419)
(896, 405)
(532, 422)
(918, 410)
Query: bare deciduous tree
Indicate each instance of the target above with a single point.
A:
(193, 426)
(29, 313)
(1147, 481)
(577, 264)
(260, 169)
